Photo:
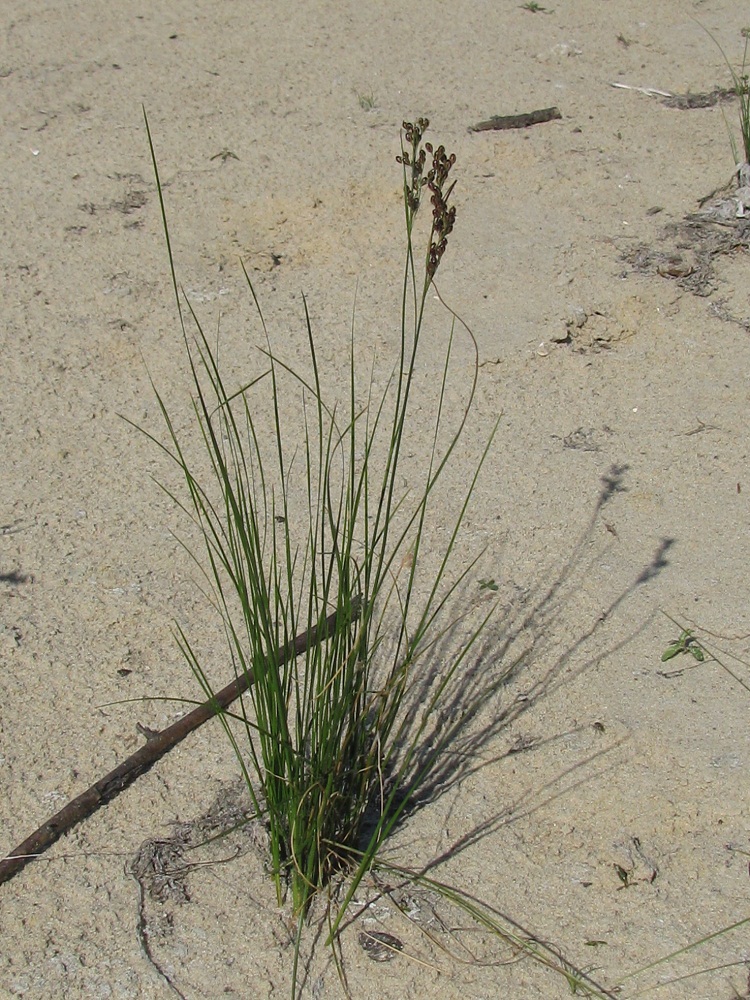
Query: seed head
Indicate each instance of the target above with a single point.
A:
(414, 161)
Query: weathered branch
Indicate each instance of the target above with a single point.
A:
(106, 788)
(517, 121)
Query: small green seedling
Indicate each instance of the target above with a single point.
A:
(687, 643)
(535, 7)
(366, 101)
(625, 876)
(488, 585)
(224, 155)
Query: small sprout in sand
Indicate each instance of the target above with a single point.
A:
(367, 101)
(686, 643)
(625, 876)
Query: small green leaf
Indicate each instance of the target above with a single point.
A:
(488, 585)
(623, 874)
(685, 644)
(671, 651)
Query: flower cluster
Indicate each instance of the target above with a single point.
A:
(443, 217)
(416, 160)
(434, 180)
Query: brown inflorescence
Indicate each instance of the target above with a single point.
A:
(443, 217)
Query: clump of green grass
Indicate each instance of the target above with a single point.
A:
(336, 742)
(366, 100)
(321, 528)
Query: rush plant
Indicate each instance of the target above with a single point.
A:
(335, 743)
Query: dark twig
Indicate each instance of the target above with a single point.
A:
(517, 121)
(106, 788)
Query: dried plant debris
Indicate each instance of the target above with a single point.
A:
(720, 310)
(130, 202)
(380, 946)
(580, 439)
(161, 866)
(689, 248)
(683, 102)
(729, 204)
(709, 99)
(160, 869)
(585, 438)
(690, 269)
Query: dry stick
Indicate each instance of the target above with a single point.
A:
(517, 121)
(106, 788)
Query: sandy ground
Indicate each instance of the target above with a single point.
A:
(620, 760)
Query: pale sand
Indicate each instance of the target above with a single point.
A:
(93, 579)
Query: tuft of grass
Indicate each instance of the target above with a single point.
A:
(336, 743)
(367, 101)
